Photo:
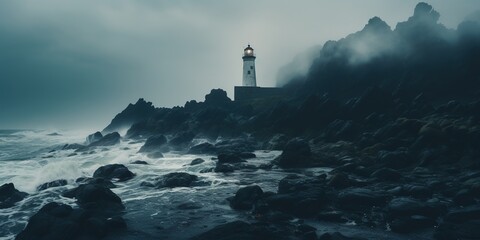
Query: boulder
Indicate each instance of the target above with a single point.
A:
(337, 236)
(246, 197)
(387, 174)
(99, 181)
(229, 158)
(297, 153)
(93, 137)
(175, 179)
(56, 183)
(340, 181)
(411, 223)
(154, 144)
(72, 146)
(464, 214)
(96, 197)
(140, 162)
(360, 198)
(237, 145)
(203, 148)
(239, 230)
(224, 168)
(182, 140)
(9, 195)
(277, 142)
(395, 159)
(107, 140)
(111, 171)
(57, 221)
(197, 161)
(466, 230)
(406, 207)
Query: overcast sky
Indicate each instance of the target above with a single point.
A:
(75, 64)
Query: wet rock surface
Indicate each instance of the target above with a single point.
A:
(114, 171)
(9, 195)
(56, 221)
(56, 183)
(172, 180)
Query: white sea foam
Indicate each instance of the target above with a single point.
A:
(38, 164)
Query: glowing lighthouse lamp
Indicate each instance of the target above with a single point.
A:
(249, 77)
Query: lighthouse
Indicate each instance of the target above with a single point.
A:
(249, 93)
(249, 76)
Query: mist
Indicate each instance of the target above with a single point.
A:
(70, 64)
(418, 56)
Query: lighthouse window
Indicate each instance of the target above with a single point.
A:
(248, 72)
(251, 67)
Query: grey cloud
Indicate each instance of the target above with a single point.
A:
(77, 63)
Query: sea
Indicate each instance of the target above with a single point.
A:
(29, 158)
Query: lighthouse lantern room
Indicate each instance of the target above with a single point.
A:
(249, 76)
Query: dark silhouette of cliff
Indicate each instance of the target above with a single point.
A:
(133, 113)
(420, 56)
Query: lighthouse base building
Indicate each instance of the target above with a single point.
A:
(249, 92)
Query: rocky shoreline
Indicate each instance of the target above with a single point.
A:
(404, 154)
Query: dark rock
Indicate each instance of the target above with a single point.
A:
(302, 199)
(196, 161)
(176, 179)
(360, 198)
(203, 148)
(182, 140)
(154, 144)
(277, 142)
(99, 181)
(464, 214)
(134, 113)
(340, 181)
(246, 197)
(406, 207)
(73, 146)
(107, 140)
(96, 197)
(57, 221)
(246, 155)
(296, 153)
(464, 197)
(93, 137)
(395, 160)
(466, 230)
(387, 174)
(341, 130)
(239, 230)
(140, 162)
(332, 216)
(111, 171)
(56, 183)
(9, 195)
(224, 168)
(218, 98)
(416, 191)
(229, 158)
(306, 232)
(411, 223)
(337, 236)
(235, 146)
(189, 206)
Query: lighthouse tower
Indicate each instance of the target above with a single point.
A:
(249, 77)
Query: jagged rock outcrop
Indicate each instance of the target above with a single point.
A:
(134, 113)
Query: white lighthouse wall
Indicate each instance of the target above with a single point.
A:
(249, 79)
